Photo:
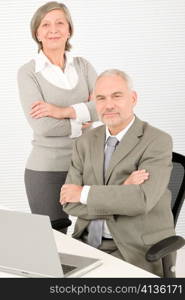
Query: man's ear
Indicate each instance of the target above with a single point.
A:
(134, 98)
(92, 96)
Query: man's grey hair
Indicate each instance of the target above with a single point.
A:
(117, 72)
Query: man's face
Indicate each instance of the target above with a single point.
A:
(114, 102)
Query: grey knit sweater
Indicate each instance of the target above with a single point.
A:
(52, 147)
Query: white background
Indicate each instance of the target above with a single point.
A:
(142, 37)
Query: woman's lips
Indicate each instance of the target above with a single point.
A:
(54, 38)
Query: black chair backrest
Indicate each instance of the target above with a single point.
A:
(177, 184)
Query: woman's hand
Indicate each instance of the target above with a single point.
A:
(86, 125)
(42, 109)
(137, 177)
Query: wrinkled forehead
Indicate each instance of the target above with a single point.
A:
(110, 84)
(54, 13)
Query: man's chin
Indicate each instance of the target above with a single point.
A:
(110, 122)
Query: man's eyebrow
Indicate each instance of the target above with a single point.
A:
(117, 93)
(99, 96)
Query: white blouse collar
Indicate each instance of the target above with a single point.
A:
(41, 61)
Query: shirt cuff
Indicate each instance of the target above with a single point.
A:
(84, 194)
(82, 112)
(76, 128)
(96, 124)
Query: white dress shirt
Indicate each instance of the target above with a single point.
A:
(66, 79)
(86, 188)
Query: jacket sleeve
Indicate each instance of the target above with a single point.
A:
(132, 200)
(75, 177)
(30, 91)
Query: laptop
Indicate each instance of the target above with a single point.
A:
(28, 248)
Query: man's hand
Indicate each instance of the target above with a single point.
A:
(70, 193)
(42, 109)
(137, 177)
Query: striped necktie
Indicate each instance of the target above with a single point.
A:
(95, 228)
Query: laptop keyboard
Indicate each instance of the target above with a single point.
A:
(67, 268)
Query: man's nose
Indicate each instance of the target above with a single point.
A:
(109, 103)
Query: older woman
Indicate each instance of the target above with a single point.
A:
(55, 89)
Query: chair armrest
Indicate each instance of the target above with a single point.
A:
(164, 247)
(60, 224)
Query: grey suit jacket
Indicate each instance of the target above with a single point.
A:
(137, 215)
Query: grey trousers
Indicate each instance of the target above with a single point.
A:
(43, 192)
(107, 245)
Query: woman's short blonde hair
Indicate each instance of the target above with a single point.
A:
(39, 15)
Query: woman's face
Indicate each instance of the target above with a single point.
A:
(53, 30)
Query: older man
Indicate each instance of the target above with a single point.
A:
(117, 183)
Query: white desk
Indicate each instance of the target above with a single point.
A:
(111, 266)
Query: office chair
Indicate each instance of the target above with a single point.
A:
(61, 225)
(164, 248)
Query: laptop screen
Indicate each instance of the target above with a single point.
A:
(27, 245)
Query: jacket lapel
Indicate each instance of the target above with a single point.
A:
(128, 142)
(97, 153)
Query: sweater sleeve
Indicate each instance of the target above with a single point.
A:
(91, 76)
(29, 92)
